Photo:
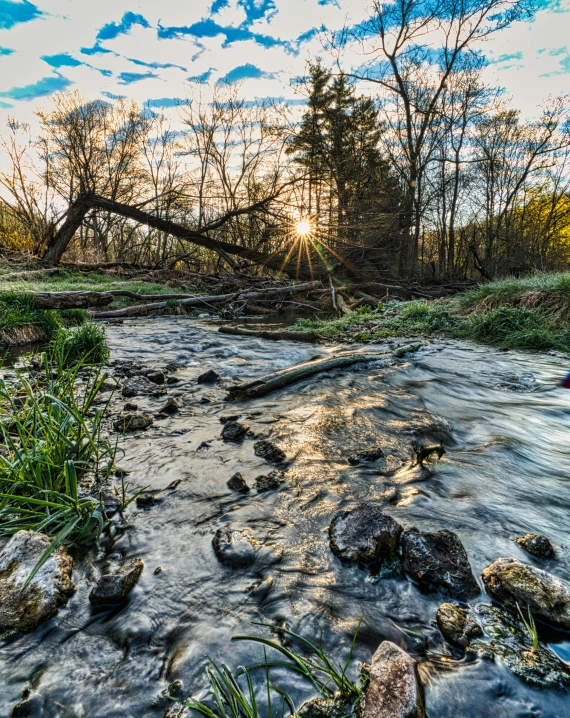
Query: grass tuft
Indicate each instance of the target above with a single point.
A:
(86, 343)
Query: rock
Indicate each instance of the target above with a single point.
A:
(394, 690)
(171, 406)
(205, 400)
(156, 376)
(366, 456)
(400, 352)
(506, 638)
(146, 501)
(234, 548)
(237, 483)
(209, 377)
(130, 406)
(141, 386)
(22, 609)
(109, 385)
(225, 419)
(32, 705)
(455, 625)
(234, 431)
(336, 707)
(269, 452)
(536, 545)
(363, 534)
(510, 582)
(115, 587)
(172, 380)
(437, 560)
(132, 422)
(267, 482)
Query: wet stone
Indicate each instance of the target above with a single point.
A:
(237, 483)
(401, 351)
(366, 456)
(536, 545)
(115, 587)
(22, 609)
(171, 406)
(437, 561)
(269, 452)
(156, 376)
(32, 705)
(131, 406)
(208, 377)
(336, 707)
(394, 690)
(268, 482)
(132, 422)
(512, 582)
(234, 431)
(234, 548)
(225, 419)
(455, 625)
(363, 534)
(141, 386)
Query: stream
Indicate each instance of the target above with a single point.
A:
(506, 472)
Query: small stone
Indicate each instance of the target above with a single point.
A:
(363, 534)
(156, 376)
(237, 483)
(536, 545)
(109, 385)
(172, 380)
(157, 570)
(130, 406)
(205, 400)
(209, 377)
(115, 587)
(171, 406)
(234, 431)
(455, 625)
(145, 501)
(400, 352)
(132, 422)
(269, 452)
(437, 560)
(336, 707)
(141, 386)
(234, 548)
(512, 582)
(121, 472)
(22, 609)
(268, 482)
(394, 690)
(225, 419)
(366, 456)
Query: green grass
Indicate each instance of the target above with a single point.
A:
(86, 343)
(74, 317)
(22, 322)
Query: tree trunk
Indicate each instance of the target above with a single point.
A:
(71, 300)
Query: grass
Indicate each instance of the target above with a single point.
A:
(86, 343)
(530, 627)
(21, 322)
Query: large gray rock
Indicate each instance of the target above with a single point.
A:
(234, 548)
(115, 587)
(511, 582)
(141, 386)
(394, 690)
(455, 625)
(437, 560)
(22, 609)
(363, 534)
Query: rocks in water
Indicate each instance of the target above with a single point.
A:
(141, 386)
(32, 705)
(455, 625)
(234, 548)
(225, 419)
(366, 456)
(147, 501)
(109, 384)
(131, 406)
(425, 453)
(208, 377)
(22, 609)
(507, 639)
(336, 707)
(115, 587)
(363, 534)
(401, 351)
(135, 421)
(237, 483)
(437, 560)
(269, 452)
(268, 482)
(171, 406)
(536, 545)
(394, 690)
(511, 582)
(156, 376)
(234, 431)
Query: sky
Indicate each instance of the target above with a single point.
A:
(151, 50)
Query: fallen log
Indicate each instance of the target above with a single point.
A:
(285, 377)
(71, 300)
(140, 310)
(271, 334)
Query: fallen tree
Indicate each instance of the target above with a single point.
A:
(271, 334)
(71, 300)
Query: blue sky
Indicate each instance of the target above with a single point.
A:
(150, 50)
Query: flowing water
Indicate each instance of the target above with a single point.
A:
(506, 472)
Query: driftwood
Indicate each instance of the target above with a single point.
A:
(285, 377)
(139, 310)
(271, 334)
(71, 300)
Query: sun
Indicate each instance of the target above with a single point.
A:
(303, 227)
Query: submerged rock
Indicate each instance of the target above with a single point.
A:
(363, 534)
(141, 386)
(134, 421)
(234, 431)
(394, 690)
(237, 483)
(208, 377)
(234, 548)
(536, 545)
(115, 587)
(336, 707)
(171, 406)
(32, 705)
(507, 639)
(269, 452)
(22, 609)
(267, 482)
(511, 582)
(437, 560)
(366, 456)
(156, 376)
(455, 625)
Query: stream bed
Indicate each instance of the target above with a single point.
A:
(505, 427)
